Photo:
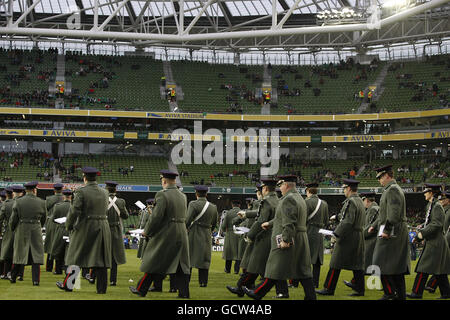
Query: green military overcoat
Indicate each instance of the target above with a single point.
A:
(446, 224)
(90, 236)
(370, 238)
(231, 245)
(199, 232)
(7, 249)
(392, 255)
(50, 225)
(116, 228)
(348, 252)
(142, 240)
(250, 220)
(259, 248)
(58, 245)
(289, 222)
(27, 219)
(316, 222)
(168, 244)
(435, 256)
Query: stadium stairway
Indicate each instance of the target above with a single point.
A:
(380, 88)
(267, 84)
(173, 105)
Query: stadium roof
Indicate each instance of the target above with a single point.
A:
(233, 25)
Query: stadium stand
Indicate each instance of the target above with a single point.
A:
(417, 86)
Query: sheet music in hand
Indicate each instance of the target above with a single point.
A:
(140, 205)
(60, 220)
(326, 232)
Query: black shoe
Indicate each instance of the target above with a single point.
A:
(251, 294)
(325, 292)
(203, 285)
(2, 276)
(20, 278)
(172, 290)
(413, 296)
(227, 271)
(356, 294)
(12, 280)
(387, 297)
(101, 292)
(57, 272)
(430, 290)
(236, 272)
(35, 283)
(349, 284)
(136, 291)
(447, 296)
(281, 296)
(236, 290)
(182, 296)
(91, 281)
(62, 287)
(154, 289)
(112, 284)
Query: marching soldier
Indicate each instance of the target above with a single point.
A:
(391, 253)
(435, 256)
(250, 215)
(59, 244)
(372, 210)
(231, 246)
(348, 251)
(5, 213)
(116, 212)
(445, 203)
(289, 257)
(2, 203)
(7, 250)
(50, 201)
(90, 235)
(27, 219)
(167, 251)
(317, 219)
(145, 214)
(258, 239)
(201, 221)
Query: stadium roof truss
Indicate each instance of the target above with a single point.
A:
(236, 26)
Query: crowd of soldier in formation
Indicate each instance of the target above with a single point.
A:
(276, 239)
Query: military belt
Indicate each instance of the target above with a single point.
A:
(114, 223)
(204, 225)
(300, 229)
(29, 221)
(177, 220)
(97, 217)
(358, 229)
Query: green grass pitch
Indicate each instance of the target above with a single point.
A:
(216, 290)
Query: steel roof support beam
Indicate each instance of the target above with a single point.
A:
(25, 14)
(112, 15)
(193, 22)
(219, 35)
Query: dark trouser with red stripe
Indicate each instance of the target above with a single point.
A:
(432, 283)
(247, 279)
(144, 283)
(264, 287)
(394, 285)
(35, 271)
(421, 280)
(49, 264)
(333, 277)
